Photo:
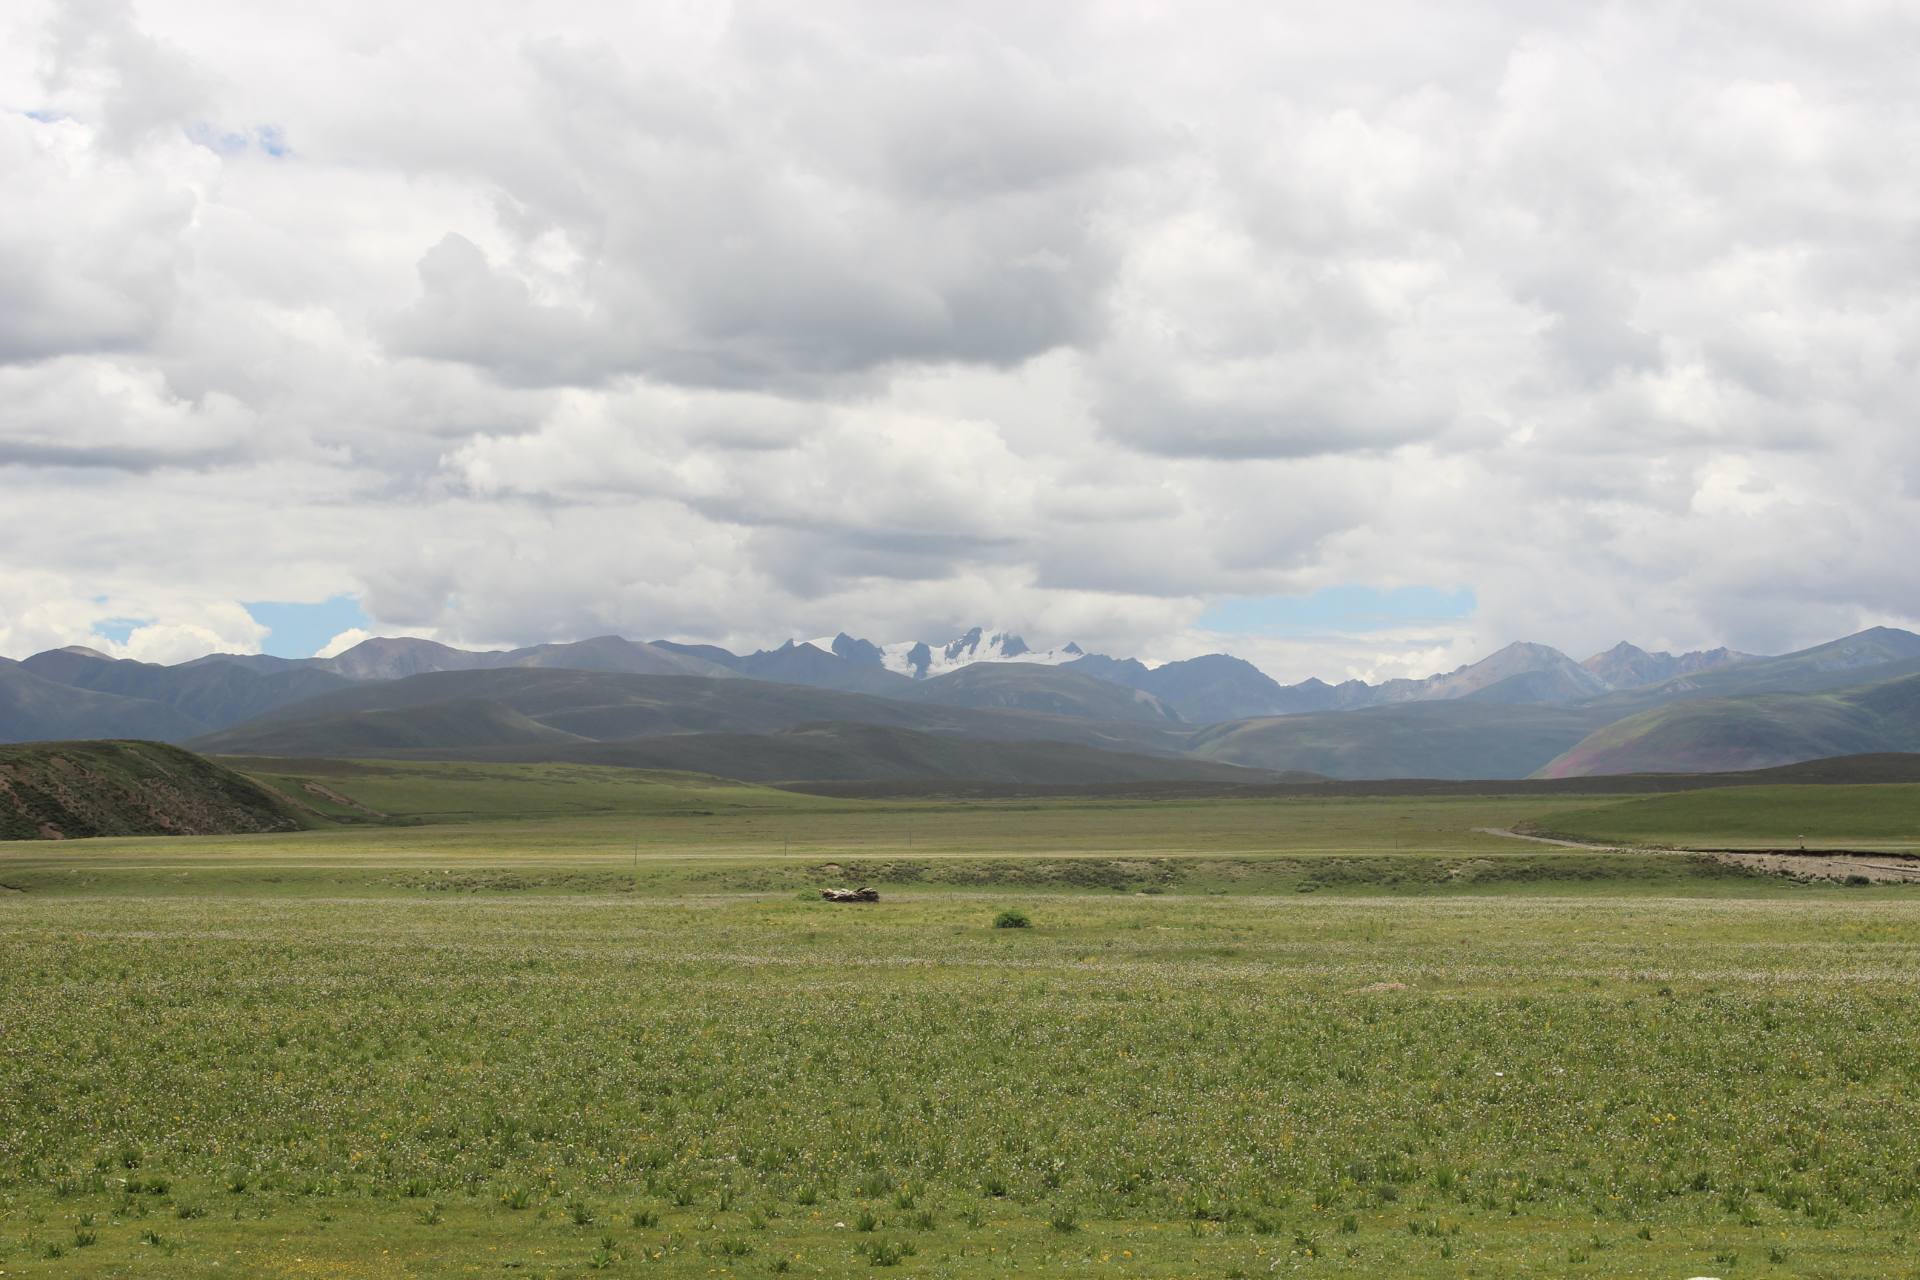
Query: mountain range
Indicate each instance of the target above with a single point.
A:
(847, 708)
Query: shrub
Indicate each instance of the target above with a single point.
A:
(886, 1253)
(1012, 918)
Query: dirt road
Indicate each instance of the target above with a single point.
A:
(1838, 864)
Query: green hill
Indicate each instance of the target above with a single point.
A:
(1755, 817)
(35, 709)
(1458, 739)
(528, 708)
(875, 753)
(211, 692)
(1752, 732)
(1876, 654)
(1027, 686)
(63, 790)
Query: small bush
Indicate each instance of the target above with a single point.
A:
(1012, 919)
(886, 1253)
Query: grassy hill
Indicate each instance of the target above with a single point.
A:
(62, 790)
(1766, 817)
(818, 753)
(1877, 654)
(1459, 739)
(438, 793)
(1026, 686)
(1752, 732)
(211, 693)
(473, 708)
(35, 709)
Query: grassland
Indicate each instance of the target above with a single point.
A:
(566, 1022)
(1829, 817)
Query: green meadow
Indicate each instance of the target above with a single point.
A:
(1818, 817)
(558, 1021)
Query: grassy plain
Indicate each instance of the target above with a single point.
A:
(614, 1034)
(1824, 817)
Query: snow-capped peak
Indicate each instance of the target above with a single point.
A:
(923, 661)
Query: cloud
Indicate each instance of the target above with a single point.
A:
(747, 322)
(90, 248)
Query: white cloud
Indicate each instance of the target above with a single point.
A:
(735, 324)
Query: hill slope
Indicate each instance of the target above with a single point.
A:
(62, 790)
(610, 708)
(1456, 739)
(1774, 817)
(1020, 686)
(1755, 731)
(395, 658)
(1628, 666)
(1879, 653)
(874, 753)
(212, 692)
(33, 709)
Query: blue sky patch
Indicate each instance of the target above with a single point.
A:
(271, 139)
(1344, 608)
(298, 630)
(118, 629)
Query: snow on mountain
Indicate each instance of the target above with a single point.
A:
(922, 661)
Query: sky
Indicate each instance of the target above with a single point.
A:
(1356, 340)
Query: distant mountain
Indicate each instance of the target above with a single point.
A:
(1627, 666)
(1874, 654)
(63, 790)
(397, 657)
(608, 707)
(837, 752)
(1210, 688)
(1057, 691)
(1570, 680)
(1750, 731)
(34, 709)
(1464, 738)
(986, 686)
(1217, 687)
(210, 692)
(810, 665)
(612, 654)
(923, 661)
(383, 658)
(1552, 686)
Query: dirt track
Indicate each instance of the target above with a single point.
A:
(1837, 864)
